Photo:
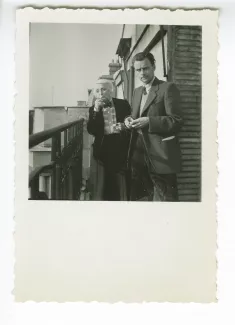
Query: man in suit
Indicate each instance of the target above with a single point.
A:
(111, 142)
(156, 156)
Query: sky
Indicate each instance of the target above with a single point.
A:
(66, 59)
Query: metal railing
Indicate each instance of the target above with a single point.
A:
(65, 168)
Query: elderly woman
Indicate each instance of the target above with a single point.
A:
(108, 168)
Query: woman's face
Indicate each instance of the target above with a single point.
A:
(103, 90)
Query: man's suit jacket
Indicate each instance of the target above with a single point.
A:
(111, 149)
(165, 120)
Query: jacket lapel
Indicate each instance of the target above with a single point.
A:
(136, 102)
(115, 106)
(118, 109)
(152, 95)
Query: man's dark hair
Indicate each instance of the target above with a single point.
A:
(141, 56)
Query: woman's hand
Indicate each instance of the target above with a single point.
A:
(99, 104)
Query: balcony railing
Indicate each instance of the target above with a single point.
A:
(65, 168)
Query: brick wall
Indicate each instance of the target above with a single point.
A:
(184, 58)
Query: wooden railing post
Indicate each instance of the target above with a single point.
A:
(56, 174)
(70, 184)
(65, 184)
(34, 188)
(58, 168)
(53, 176)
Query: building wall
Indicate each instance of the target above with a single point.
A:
(120, 93)
(148, 36)
(54, 116)
(38, 124)
(143, 43)
(185, 52)
(157, 52)
(130, 32)
(139, 29)
(41, 158)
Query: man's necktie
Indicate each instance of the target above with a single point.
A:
(144, 91)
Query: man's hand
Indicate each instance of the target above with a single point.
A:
(127, 122)
(140, 123)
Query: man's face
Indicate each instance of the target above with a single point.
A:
(145, 70)
(103, 90)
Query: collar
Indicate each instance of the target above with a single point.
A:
(149, 85)
(112, 105)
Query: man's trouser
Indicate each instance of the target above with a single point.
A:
(147, 184)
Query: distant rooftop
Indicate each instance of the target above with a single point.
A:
(106, 76)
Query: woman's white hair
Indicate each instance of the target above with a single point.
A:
(104, 82)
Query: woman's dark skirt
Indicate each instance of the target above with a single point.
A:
(106, 184)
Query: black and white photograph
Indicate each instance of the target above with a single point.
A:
(115, 112)
(115, 130)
